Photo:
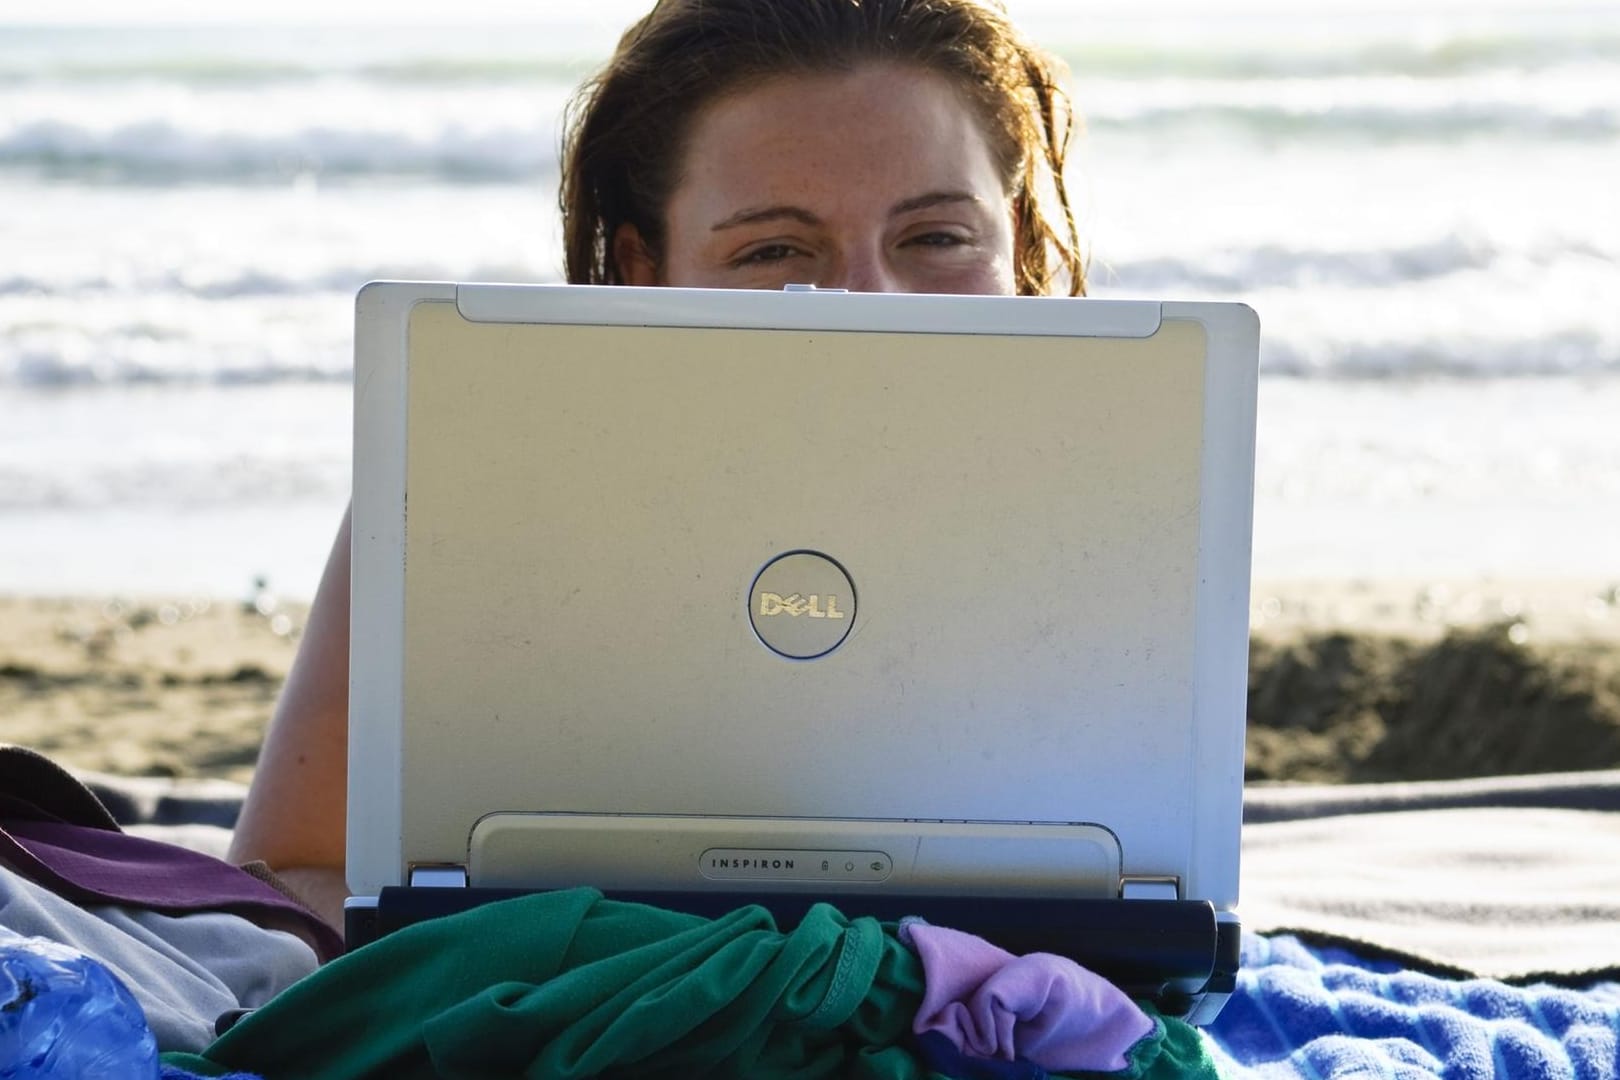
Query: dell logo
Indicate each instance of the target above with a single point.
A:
(796, 605)
(802, 605)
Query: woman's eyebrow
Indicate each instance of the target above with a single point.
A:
(932, 199)
(767, 213)
(784, 212)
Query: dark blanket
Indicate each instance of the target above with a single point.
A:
(1515, 878)
(1426, 883)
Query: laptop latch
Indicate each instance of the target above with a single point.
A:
(1150, 887)
(439, 876)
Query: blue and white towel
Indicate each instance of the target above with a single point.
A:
(1325, 1014)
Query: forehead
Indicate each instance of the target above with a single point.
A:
(873, 135)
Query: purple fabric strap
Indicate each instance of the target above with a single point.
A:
(88, 865)
(1040, 1008)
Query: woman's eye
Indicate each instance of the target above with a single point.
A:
(937, 239)
(768, 253)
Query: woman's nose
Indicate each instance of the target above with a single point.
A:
(864, 272)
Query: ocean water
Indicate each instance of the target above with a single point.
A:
(1424, 209)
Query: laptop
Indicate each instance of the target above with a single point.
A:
(920, 605)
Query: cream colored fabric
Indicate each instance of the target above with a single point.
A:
(1504, 892)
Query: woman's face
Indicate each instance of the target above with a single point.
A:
(875, 180)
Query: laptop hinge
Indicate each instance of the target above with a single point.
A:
(1150, 887)
(439, 876)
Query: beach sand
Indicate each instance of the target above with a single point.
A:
(1349, 681)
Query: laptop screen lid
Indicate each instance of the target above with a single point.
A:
(957, 583)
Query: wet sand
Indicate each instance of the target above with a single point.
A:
(158, 687)
(1348, 681)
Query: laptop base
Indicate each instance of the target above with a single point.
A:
(1175, 954)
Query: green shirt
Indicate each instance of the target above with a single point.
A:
(568, 984)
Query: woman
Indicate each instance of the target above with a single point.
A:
(870, 145)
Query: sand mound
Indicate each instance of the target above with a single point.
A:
(1477, 702)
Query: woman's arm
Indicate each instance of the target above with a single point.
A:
(294, 815)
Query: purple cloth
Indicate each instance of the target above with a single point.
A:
(1040, 1008)
(90, 865)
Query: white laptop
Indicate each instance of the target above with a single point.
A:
(924, 605)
